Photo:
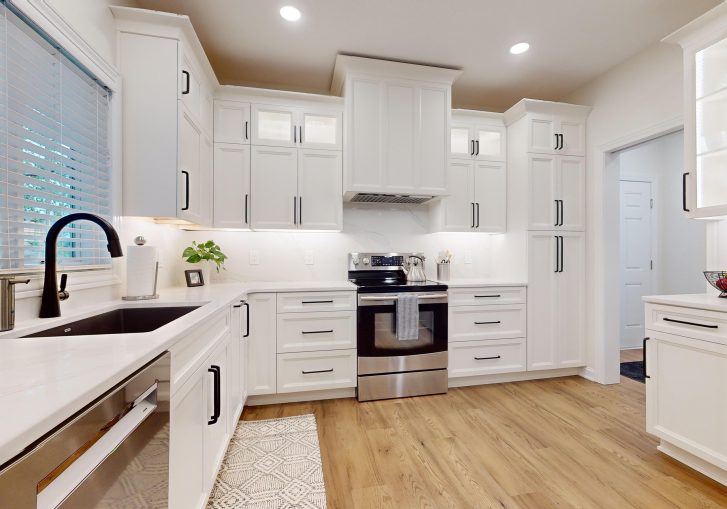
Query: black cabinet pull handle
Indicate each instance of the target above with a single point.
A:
(473, 214)
(478, 148)
(644, 354)
(557, 254)
(684, 192)
(318, 371)
(246, 135)
(562, 141)
(295, 210)
(562, 265)
(557, 213)
(487, 296)
(237, 305)
(691, 323)
(478, 210)
(487, 323)
(186, 190)
(295, 134)
(316, 331)
(247, 327)
(300, 210)
(300, 133)
(185, 91)
(562, 214)
(246, 200)
(488, 358)
(316, 302)
(556, 142)
(215, 370)
(472, 150)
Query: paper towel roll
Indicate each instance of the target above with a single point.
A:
(141, 268)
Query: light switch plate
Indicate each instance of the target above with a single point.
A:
(468, 256)
(254, 257)
(309, 257)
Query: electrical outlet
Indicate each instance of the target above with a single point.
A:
(254, 257)
(468, 256)
(309, 257)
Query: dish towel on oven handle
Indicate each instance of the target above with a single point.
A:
(407, 317)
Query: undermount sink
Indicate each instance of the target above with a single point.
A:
(118, 321)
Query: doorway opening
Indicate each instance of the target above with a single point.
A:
(661, 250)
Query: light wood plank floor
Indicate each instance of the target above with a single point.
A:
(559, 443)
(636, 354)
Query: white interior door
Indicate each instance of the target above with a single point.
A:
(636, 258)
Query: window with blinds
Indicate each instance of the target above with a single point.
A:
(54, 150)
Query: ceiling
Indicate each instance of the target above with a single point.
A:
(572, 41)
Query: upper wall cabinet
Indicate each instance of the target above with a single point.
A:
(478, 135)
(167, 117)
(397, 126)
(286, 126)
(556, 134)
(232, 122)
(704, 41)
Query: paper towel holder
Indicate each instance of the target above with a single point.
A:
(140, 241)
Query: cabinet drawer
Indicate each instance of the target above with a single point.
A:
(692, 323)
(471, 358)
(315, 371)
(307, 332)
(471, 323)
(303, 302)
(487, 295)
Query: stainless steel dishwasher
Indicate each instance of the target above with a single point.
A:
(113, 453)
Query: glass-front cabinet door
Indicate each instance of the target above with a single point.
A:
(322, 130)
(273, 126)
(704, 192)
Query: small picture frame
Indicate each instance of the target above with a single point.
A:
(194, 277)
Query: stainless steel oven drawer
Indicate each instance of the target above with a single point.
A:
(402, 385)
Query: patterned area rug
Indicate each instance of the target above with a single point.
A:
(272, 464)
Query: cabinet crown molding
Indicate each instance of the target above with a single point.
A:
(709, 25)
(349, 64)
(525, 106)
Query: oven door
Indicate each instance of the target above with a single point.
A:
(377, 326)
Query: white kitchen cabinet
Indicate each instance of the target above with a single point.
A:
(217, 431)
(188, 417)
(167, 112)
(478, 135)
(486, 357)
(556, 134)
(320, 204)
(685, 388)
(232, 122)
(556, 297)
(278, 125)
(478, 198)
(261, 375)
(315, 371)
(310, 332)
(705, 112)
(232, 186)
(397, 126)
(556, 191)
(296, 188)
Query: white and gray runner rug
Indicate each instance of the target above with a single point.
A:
(272, 464)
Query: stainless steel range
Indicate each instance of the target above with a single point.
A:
(390, 365)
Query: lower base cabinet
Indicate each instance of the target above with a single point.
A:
(217, 431)
(262, 348)
(685, 394)
(316, 371)
(486, 357)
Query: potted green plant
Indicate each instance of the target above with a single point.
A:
(205, 253)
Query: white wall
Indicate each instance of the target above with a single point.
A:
(366, 228)
(676, 270)
(639, 99)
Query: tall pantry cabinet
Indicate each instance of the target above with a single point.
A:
(546, 199)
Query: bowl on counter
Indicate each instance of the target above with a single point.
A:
(718, 279)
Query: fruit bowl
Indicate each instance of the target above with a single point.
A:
(718, 279)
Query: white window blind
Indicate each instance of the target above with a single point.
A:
(54, 150)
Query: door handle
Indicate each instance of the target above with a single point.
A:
(488, 358)
(478, 211)
(247, 327)
(185, 90)
(186, 190)
(295, 210)
(300, 133)
(472, 150)
(246, 135)
(562, 264)
(478, 148)
(562, 213)
(215, 370)
(684, 192)
(561, 141)
(295, 134)
(556, 142)
(300, 210)
(473, 214)
(557, 213)
(644, 354)
(246, 200)
(317, 371)
(557, 254)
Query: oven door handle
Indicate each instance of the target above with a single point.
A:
(74, 473)
(394, 297)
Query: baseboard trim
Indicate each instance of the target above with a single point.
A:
(298, 397)
(695, 462)
(512, 377)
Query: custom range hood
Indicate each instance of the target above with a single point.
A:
(396, 133)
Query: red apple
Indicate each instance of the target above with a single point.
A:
(721, 284)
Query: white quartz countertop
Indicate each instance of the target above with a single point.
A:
(43, 381)
(710, 301)
(472, 283)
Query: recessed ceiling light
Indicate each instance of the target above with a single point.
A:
(290, 13)
(520, 47)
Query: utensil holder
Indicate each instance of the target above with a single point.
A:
(443, 271)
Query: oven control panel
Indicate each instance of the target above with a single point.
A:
(378, 261)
